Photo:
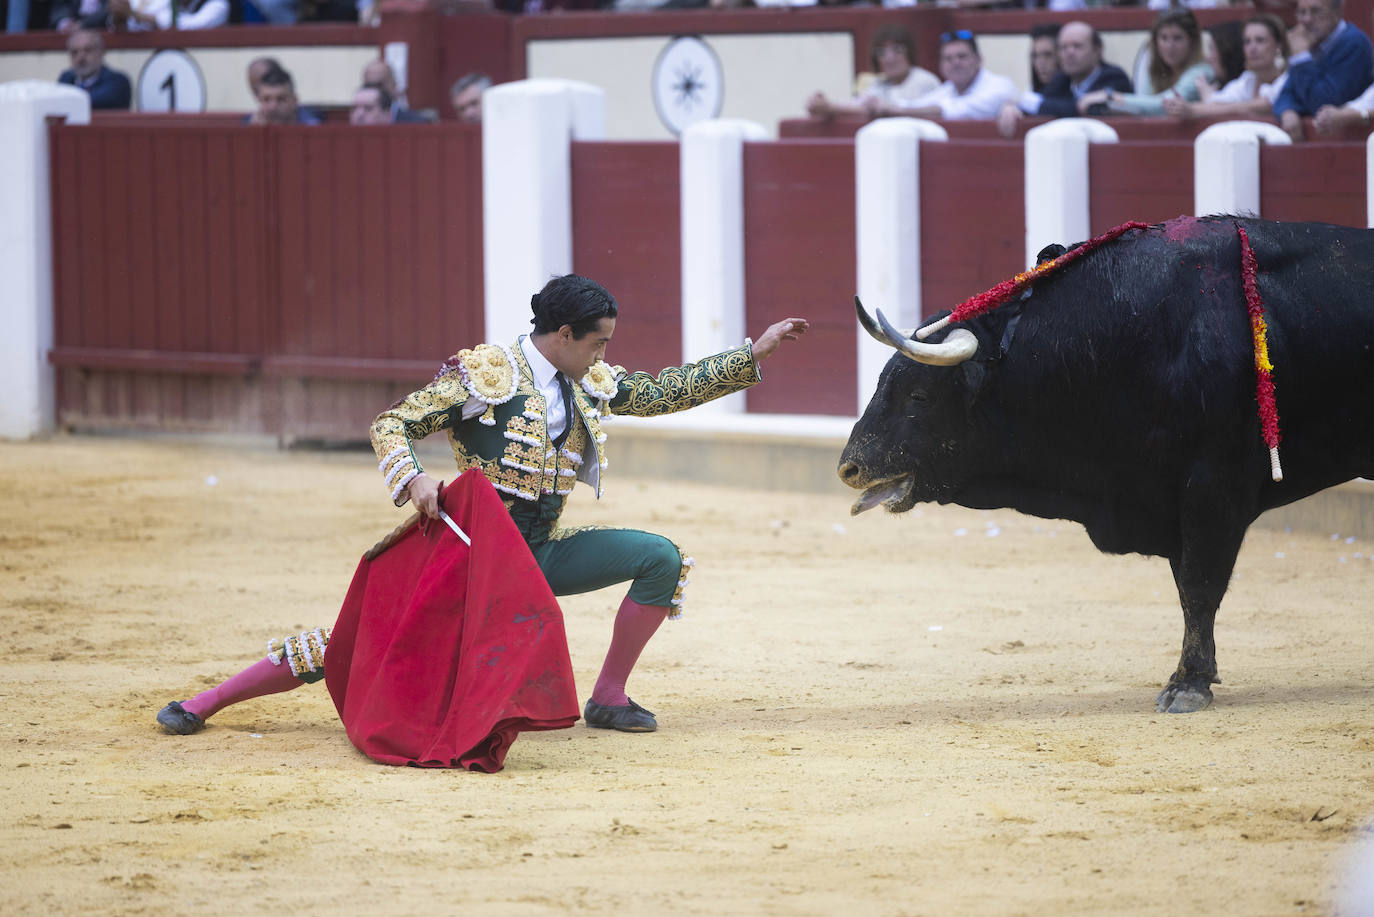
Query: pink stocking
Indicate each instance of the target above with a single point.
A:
(634, 625)
(262, 677)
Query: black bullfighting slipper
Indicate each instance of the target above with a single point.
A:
(628, 718)
(176, 719)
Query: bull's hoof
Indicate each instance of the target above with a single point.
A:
(1183, 698)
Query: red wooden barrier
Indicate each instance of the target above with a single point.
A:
(283, 280)
(1145, 181)
(627, 233)
(799, 260)
(1314, 181)
(973, 219)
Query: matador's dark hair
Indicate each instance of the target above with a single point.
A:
(571, 300)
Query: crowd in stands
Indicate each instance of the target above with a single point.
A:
(376, 101)
(1251, 68)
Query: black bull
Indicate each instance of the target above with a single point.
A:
(1120, 393)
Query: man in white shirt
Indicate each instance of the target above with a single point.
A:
(969, 91)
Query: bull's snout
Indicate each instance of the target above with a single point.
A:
(850, 474)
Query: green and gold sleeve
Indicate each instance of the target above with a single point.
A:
(681, 387)
(437, 406)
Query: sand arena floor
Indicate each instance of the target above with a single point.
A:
(947, 713)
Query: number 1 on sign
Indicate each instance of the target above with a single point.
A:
(170, 86)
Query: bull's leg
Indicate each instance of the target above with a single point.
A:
(1202, 572)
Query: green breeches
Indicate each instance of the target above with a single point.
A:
(583, 559)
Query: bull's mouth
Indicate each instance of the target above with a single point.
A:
(895, 494)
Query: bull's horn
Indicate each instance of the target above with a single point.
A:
(956, 348)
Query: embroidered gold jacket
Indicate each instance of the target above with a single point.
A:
(495, 417)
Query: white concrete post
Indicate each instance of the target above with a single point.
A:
(1226, 166)
(1369, 178)
(527, 129)
(1057, 182)
(711, 189)
(887, 220)
(26, 307)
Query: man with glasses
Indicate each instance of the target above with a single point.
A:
(1335, 68)
(1081, 70)
(969, 90)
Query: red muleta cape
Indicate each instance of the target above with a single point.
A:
(442, 653)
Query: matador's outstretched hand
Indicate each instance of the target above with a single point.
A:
(789, 329)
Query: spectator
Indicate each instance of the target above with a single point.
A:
(151, 15)
(969, 90)
(1176, 65)
(1044, 54)
(892, 52)
(1252, 94)
(1225, 52)
(257, 67)
(277, 101)
(1335, 68)
(379, 73)
(1337, 119)
(371, 105)
(466, 96)
(1081, 71)
(107, 88)
(273, 12)
(70, 15)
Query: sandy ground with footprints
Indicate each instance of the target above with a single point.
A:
(946, 713)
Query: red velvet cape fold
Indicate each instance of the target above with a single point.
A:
(442, 653)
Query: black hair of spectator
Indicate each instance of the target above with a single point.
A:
(383, 97)
(471, 79)
(1161, 78)
(1040, 30)
(277, 76)
(1228, 37)
(891, 34)
(1276, 28)
(571, 300)
(1097, 37)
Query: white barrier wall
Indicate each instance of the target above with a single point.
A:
(1226, 166)
(527, 129)
(887, 203)
(26, 310)
(711, 192)
(1057, 182)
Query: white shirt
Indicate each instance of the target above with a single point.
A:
(918, 82)
(546, 382)
(1242, 89)
(982, 99)
(212, 13)
(1362, 102)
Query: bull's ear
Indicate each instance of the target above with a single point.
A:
(1049, 253)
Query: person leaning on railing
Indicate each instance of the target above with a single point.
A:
(1176, 66)
(1355, 114)
(892, 52)
(1252, 94)
(1334, 68)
